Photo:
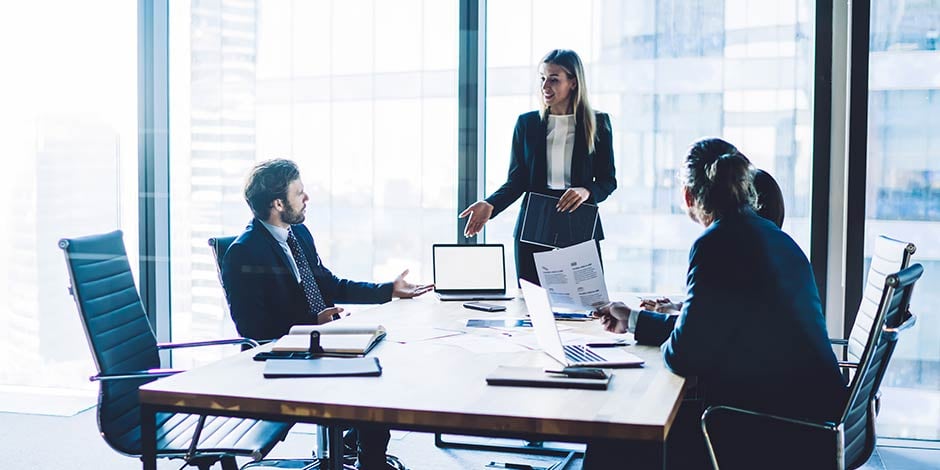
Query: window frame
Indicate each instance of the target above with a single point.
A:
(825, 232)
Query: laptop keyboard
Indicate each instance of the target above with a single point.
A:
(578, 353)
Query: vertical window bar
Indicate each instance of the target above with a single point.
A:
(153, 173)
(471, 94)
(856, 158)
(822, 141)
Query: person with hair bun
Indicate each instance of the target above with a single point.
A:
(751, 329)
(770, 206)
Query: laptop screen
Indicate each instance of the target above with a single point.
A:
(469, 268)
(540, 312)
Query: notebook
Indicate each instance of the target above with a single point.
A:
(470, 272)
(337, 337)
(543, 321)
(323, 367)
(536, 377)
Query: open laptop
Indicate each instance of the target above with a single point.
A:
(569, 355)
(470, 272)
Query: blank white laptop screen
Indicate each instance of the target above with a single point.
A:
(469, 268)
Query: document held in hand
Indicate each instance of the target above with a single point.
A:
(543, 225)
(573, 277)
(335, 338)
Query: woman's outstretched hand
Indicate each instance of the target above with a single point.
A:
(479, 213)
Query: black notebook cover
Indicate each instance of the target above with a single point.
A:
(536, 377)
(322, 367)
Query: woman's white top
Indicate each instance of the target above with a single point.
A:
(559, 146)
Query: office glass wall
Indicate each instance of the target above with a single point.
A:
(668, 73)
(68, 127)
(903, 196)
(361, 94)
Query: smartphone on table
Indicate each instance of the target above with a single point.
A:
(483, 306)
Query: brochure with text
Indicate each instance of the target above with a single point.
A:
(573, 277)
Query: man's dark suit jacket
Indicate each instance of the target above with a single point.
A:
(263, 294)
(751, 328)
(528, 166)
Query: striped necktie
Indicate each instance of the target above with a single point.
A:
(311, 290)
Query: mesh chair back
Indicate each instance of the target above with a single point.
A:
(118, 332)
(889, 256)
(219, 248)
(858, 416)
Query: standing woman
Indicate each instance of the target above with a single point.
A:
(563, 150)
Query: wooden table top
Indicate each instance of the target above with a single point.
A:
(440, 383)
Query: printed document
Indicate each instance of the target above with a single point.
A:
(573, 277)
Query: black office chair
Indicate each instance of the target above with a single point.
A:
(854, 435)
(889, 256)
(219, 247)
(125, 351)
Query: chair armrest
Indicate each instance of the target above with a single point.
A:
(822, 426)
(908, 322)
(136, 374)
(214, 342)
(838, 342)
(826, 426)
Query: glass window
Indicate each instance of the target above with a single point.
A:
(903, 197)
(667, 73)
(366, 107)
(68, 124)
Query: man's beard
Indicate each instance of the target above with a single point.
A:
(292, 216)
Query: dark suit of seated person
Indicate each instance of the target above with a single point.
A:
(751, 330)
(274, 279)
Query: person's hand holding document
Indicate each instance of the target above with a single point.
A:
(661, 305)
(573, 277)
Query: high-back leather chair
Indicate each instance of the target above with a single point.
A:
(219, 247)
(889, 256)
(125, 351)
(853, 436)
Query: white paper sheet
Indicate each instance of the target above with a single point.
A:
(573, 276)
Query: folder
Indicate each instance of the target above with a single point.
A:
(536, 377)
(322, 367)
(543, 225)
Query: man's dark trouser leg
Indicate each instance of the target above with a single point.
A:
(685, 447)
(373, 442)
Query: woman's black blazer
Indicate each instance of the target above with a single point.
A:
(528, 166)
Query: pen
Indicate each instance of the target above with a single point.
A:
(613, 344)
(517, 466)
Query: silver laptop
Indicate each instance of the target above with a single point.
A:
(470, 272)
(569, 355)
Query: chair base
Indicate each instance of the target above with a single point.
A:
(293, 464)
(530, 447)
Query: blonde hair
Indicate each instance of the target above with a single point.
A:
(569, 60)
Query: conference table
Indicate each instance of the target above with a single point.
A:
(433, 380)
